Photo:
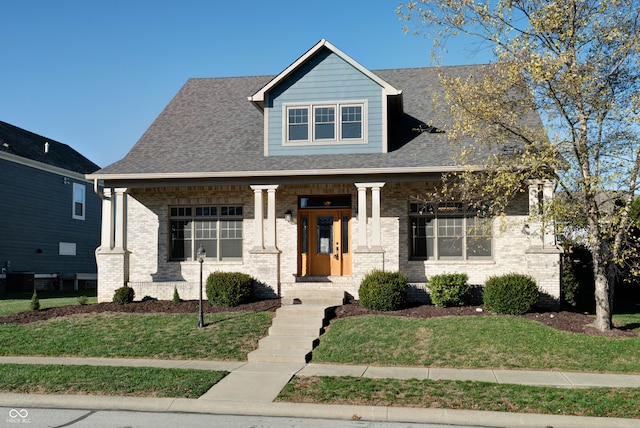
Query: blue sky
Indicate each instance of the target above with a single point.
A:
(95, 74)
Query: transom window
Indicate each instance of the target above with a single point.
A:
(326, 122)
(448, 231)
(217, 228)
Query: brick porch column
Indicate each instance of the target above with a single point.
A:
(112, 257)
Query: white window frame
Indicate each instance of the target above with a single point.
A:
(315, 123)
(432, 215)
(311, 122)
(226, 226)
(362, 121)
(82, 200)
(286, 122)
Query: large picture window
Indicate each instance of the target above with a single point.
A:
(448, 231)
(325, 122)
(217, 228)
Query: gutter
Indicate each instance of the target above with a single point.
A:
(272, 173)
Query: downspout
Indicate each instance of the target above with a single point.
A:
(96, 189)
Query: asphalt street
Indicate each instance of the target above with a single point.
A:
(39, 417)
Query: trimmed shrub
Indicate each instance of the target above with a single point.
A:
(35, 301)
(512, 294)
(82, 300)
(176, 296)
(383, 291)
(124, 295)
(229, 288)
(449, 289)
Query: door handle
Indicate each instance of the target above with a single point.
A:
(336, 255)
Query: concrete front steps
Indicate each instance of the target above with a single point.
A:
(296, 328)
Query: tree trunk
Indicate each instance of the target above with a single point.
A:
(603, 293)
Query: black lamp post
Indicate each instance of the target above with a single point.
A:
(201, 256)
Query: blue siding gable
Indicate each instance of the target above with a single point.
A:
(325, 77)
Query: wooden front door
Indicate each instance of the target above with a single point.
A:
(325, 242)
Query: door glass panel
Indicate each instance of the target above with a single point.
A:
(325, 234)
(305, 234)
(345, 234)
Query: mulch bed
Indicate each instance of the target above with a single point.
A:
(563, 320)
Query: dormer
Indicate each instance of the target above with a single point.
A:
(326, 103)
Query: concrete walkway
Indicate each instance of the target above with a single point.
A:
(250, 388)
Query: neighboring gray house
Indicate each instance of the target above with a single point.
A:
(304, 180)
(49, 212)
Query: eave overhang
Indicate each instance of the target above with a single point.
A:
(270, 176)
(42, 166)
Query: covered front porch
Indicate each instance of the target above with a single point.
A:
(294, 236)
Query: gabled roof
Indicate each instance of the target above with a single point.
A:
(24, 144)
(259, 97)
(210, 131)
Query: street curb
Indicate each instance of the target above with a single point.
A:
(322, 411)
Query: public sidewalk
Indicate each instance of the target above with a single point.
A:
(250, 389)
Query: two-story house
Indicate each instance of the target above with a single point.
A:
(303, 180)
(49, 213)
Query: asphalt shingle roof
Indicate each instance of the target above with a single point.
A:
(26, 144)
(210, 126)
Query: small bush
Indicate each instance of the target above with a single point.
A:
(383, 291)
(513, 293)
(35, 301)
(83, 300)
(229, 288)
(176, 296)
(124, 295)
(449, 289)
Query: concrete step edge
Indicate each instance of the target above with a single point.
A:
(287, 342)
(294, 331)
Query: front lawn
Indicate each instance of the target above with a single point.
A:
(227, 336)
(603, 402)
(497, 342)
(123, 381)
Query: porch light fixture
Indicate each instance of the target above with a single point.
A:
(202, 253)
(288, 215)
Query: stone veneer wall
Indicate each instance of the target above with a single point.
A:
(510, 246)
(113, 267)
(275, 269)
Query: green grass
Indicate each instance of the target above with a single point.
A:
(603, 402)
(627, 321)
(498, 342)
(123, 381)
(227, 336)
(12, 303)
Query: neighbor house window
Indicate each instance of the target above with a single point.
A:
(325, 122)
(78, 209)
(217, 228)
(448, 231)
